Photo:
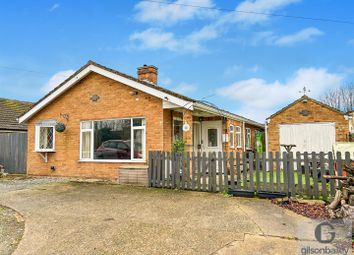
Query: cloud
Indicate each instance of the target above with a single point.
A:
(305, 35)
(185, 88)
(244, 16)
(235, 69)
(155, 38)
(54, 7)
(56, 79)
(172, 13)
(258, 98)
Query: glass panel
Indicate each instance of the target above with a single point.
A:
(86, 125)
(46, 138)
(138, 122)
(86, 145)
(138, 143)
(112, 139)
(212, 137)
(177, 129)
(232, 139)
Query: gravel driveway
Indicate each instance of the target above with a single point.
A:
(82, 218)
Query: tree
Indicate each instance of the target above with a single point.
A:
(341, 98)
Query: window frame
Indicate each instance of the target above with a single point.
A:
(238, 137)
(37, 137)
(232, 141)
(173, 127)
(132, 128)
(248, 142)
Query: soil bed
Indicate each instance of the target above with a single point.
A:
(310, 210)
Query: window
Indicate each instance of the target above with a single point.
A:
(212, 137)
(238, 137)
(45, 136)
(177, 128)
(232, 136)
(248, 138)
(118, 139)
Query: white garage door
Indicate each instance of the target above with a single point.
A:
(309, 136)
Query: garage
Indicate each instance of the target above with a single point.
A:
(309, 124)
(309, 136)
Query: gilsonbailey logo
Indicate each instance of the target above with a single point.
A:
(325, 250)
(324, 232)
(330, 237)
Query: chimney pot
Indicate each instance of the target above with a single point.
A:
(148, 73)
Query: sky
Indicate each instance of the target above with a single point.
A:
(249, 64)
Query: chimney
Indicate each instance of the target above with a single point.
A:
(148, 73)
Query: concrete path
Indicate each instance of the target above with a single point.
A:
(80, 218)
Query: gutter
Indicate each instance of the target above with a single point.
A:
(213, 110)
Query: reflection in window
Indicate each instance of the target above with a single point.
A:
(112, 139)
(212, 137)
(138, 144)
(177, 129)
(248, 138)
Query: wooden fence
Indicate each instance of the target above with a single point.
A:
(293, 174)
(13, 152)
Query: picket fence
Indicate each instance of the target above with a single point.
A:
(274, 173)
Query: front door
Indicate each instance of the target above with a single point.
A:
(212, 141)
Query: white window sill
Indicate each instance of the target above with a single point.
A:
(43, 151)
(110, 161)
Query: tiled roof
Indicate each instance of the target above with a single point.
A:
(10, 110)
(146, 84)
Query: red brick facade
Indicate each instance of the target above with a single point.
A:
(316, 112)
(115, 100)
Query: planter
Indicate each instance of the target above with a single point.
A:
(60, 127)
(270, 194)
(241, 193)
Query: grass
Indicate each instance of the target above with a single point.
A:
(282, 182)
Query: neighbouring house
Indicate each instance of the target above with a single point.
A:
(308, 124)
(13, 135)
(10, 110)
(113, 120)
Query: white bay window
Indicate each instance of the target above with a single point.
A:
(113, 140)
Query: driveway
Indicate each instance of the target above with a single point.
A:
(88, 218)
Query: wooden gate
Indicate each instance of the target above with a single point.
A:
(13, 152)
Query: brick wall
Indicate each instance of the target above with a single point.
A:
(226, 129)
(317, 113)
(116, 101)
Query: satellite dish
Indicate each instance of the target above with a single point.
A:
(186, 127)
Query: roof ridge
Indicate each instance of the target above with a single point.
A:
(301, 98)
(16, 100)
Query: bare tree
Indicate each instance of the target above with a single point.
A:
(341, 98)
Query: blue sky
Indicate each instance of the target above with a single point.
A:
(251, 64)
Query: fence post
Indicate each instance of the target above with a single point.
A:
(150, 169)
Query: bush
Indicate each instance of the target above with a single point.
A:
(178, 145)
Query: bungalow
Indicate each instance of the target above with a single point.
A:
(100, 123)
(308, 124)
